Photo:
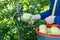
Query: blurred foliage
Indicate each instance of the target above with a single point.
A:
(8, 25)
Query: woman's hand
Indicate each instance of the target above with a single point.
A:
(50, 19)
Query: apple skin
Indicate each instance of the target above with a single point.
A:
(25, 8)
(55, 30)
(48, 31)
(26, 16)
(43, 29)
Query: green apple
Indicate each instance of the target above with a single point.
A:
(26, 16)
(55, 30)
(48, 31)
(43, 28)
(25, 7)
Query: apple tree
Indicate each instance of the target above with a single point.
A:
(9, 25)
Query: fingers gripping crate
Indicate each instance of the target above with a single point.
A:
(42, 36)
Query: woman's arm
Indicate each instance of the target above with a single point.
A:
(43, 15)
(48, 12)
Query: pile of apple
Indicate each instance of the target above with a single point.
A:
(49, 29)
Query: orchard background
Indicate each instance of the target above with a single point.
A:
(8, 24)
